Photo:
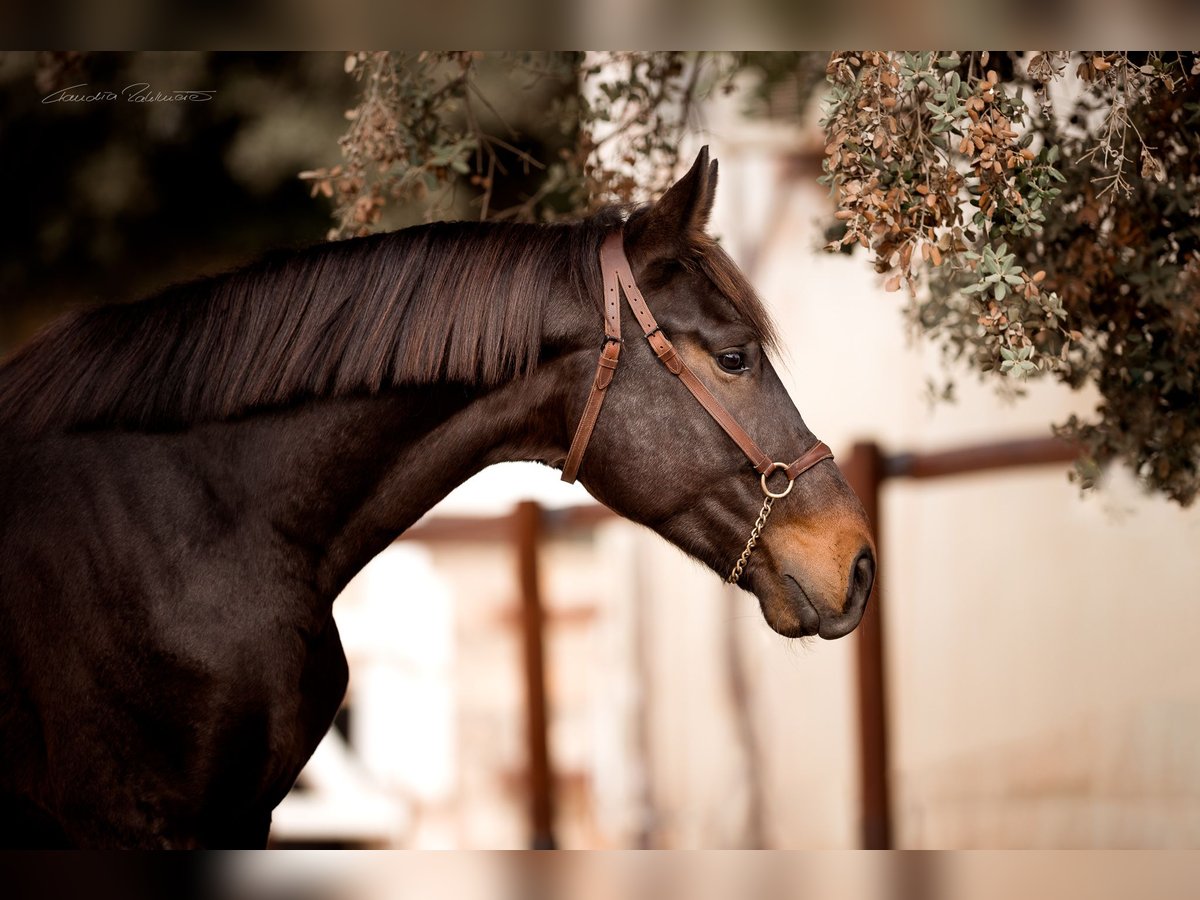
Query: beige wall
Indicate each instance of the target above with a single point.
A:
(1042, 647)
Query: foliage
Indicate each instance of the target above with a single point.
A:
(1036, 241)
(609, 126)
(1040, 210)
(418, 127)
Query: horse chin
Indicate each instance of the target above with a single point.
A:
(788, 609)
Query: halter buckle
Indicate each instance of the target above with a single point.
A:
(772, 469)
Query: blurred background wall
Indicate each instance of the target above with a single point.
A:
(1041, 674)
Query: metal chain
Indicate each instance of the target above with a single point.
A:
(758, 527)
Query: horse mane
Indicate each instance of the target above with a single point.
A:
(458, 302)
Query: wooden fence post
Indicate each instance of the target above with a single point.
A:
(527, 534)
(865, 473)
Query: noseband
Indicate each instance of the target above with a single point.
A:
(617, 275)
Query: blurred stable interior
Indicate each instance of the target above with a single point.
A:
(1039, 684)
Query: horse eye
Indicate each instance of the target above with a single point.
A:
(732, 361)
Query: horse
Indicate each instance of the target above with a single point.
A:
(190, 480)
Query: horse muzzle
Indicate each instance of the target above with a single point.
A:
(816, 581)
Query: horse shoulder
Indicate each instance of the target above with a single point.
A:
(144, 605)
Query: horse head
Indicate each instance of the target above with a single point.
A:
(659, 457)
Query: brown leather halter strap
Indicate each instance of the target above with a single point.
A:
(618, 275)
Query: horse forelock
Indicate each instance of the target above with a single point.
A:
(698, 252)
(708, 257)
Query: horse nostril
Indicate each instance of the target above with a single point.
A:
(862, 577)
(858, 589)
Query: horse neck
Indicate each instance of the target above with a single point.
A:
(340, 479)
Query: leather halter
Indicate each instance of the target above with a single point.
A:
(618, 276)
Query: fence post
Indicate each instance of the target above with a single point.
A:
(865, 472)
(527, 534)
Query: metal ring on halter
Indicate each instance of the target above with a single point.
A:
(774, 467)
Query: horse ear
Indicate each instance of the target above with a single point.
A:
(680, 215)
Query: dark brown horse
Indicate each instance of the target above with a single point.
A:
(189, 481)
